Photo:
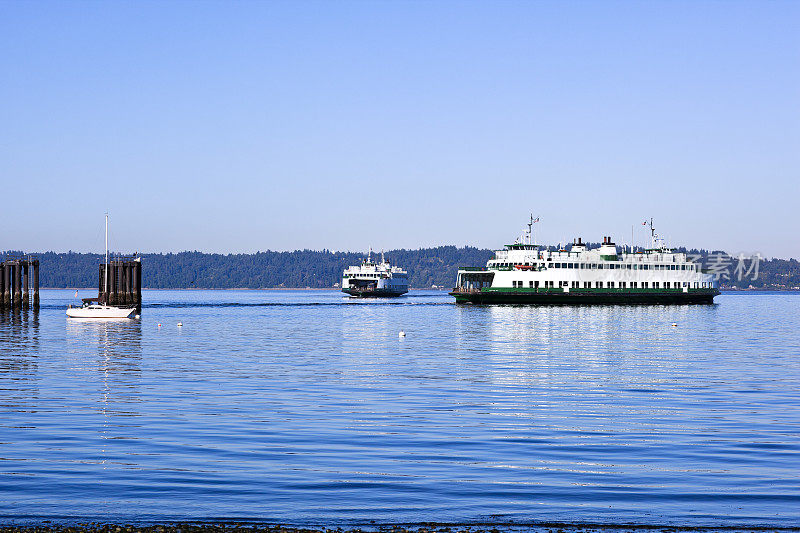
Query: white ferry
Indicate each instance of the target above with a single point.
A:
(375, 279)
(524, 273)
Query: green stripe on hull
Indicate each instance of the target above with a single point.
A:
(586, 296)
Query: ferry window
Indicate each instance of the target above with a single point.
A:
(655, 284)
(599, 284)
(536, 284)
(621, 284)
(530, 284)
(564, 265)
(610, 284)
(634, 284)
(666, 284)
(557, 265)
(644, 284)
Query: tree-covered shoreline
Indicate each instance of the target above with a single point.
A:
(323, 269)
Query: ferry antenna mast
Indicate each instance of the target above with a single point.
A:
(653, 236)
(530, 229)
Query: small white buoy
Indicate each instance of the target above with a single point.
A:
(180, 324)
(401, 334)
(138, 316)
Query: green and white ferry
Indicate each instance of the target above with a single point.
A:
(373, 279)
(523, 273)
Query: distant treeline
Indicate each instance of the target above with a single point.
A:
(320, 269)
(301, 268)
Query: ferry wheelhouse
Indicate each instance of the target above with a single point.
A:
(524, 273)
(373, 279)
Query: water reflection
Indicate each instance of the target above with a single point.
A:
(113, 349)
(19, 349)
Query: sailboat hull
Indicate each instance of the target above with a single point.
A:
(101, 312)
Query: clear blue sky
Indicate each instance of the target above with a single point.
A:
(243, 126)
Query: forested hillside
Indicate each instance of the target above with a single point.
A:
(301, 268)
(320, 269)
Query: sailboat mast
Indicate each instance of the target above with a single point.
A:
(105, 289)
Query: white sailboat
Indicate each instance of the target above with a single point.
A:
(101, 310)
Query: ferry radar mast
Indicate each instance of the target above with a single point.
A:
(656, 242)
(529, 235)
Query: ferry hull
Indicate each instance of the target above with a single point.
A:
(585, 297)
(377, 293)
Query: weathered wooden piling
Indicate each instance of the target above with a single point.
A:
(26, 283)
(7, 289)
(124, 282)
(136, 278)
(125, 293)
(2, 285)
(15, 282)
(35, 283)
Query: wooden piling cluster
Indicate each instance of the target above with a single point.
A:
(15, 282)
(124, 282)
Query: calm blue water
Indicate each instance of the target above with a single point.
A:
(305, 407)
